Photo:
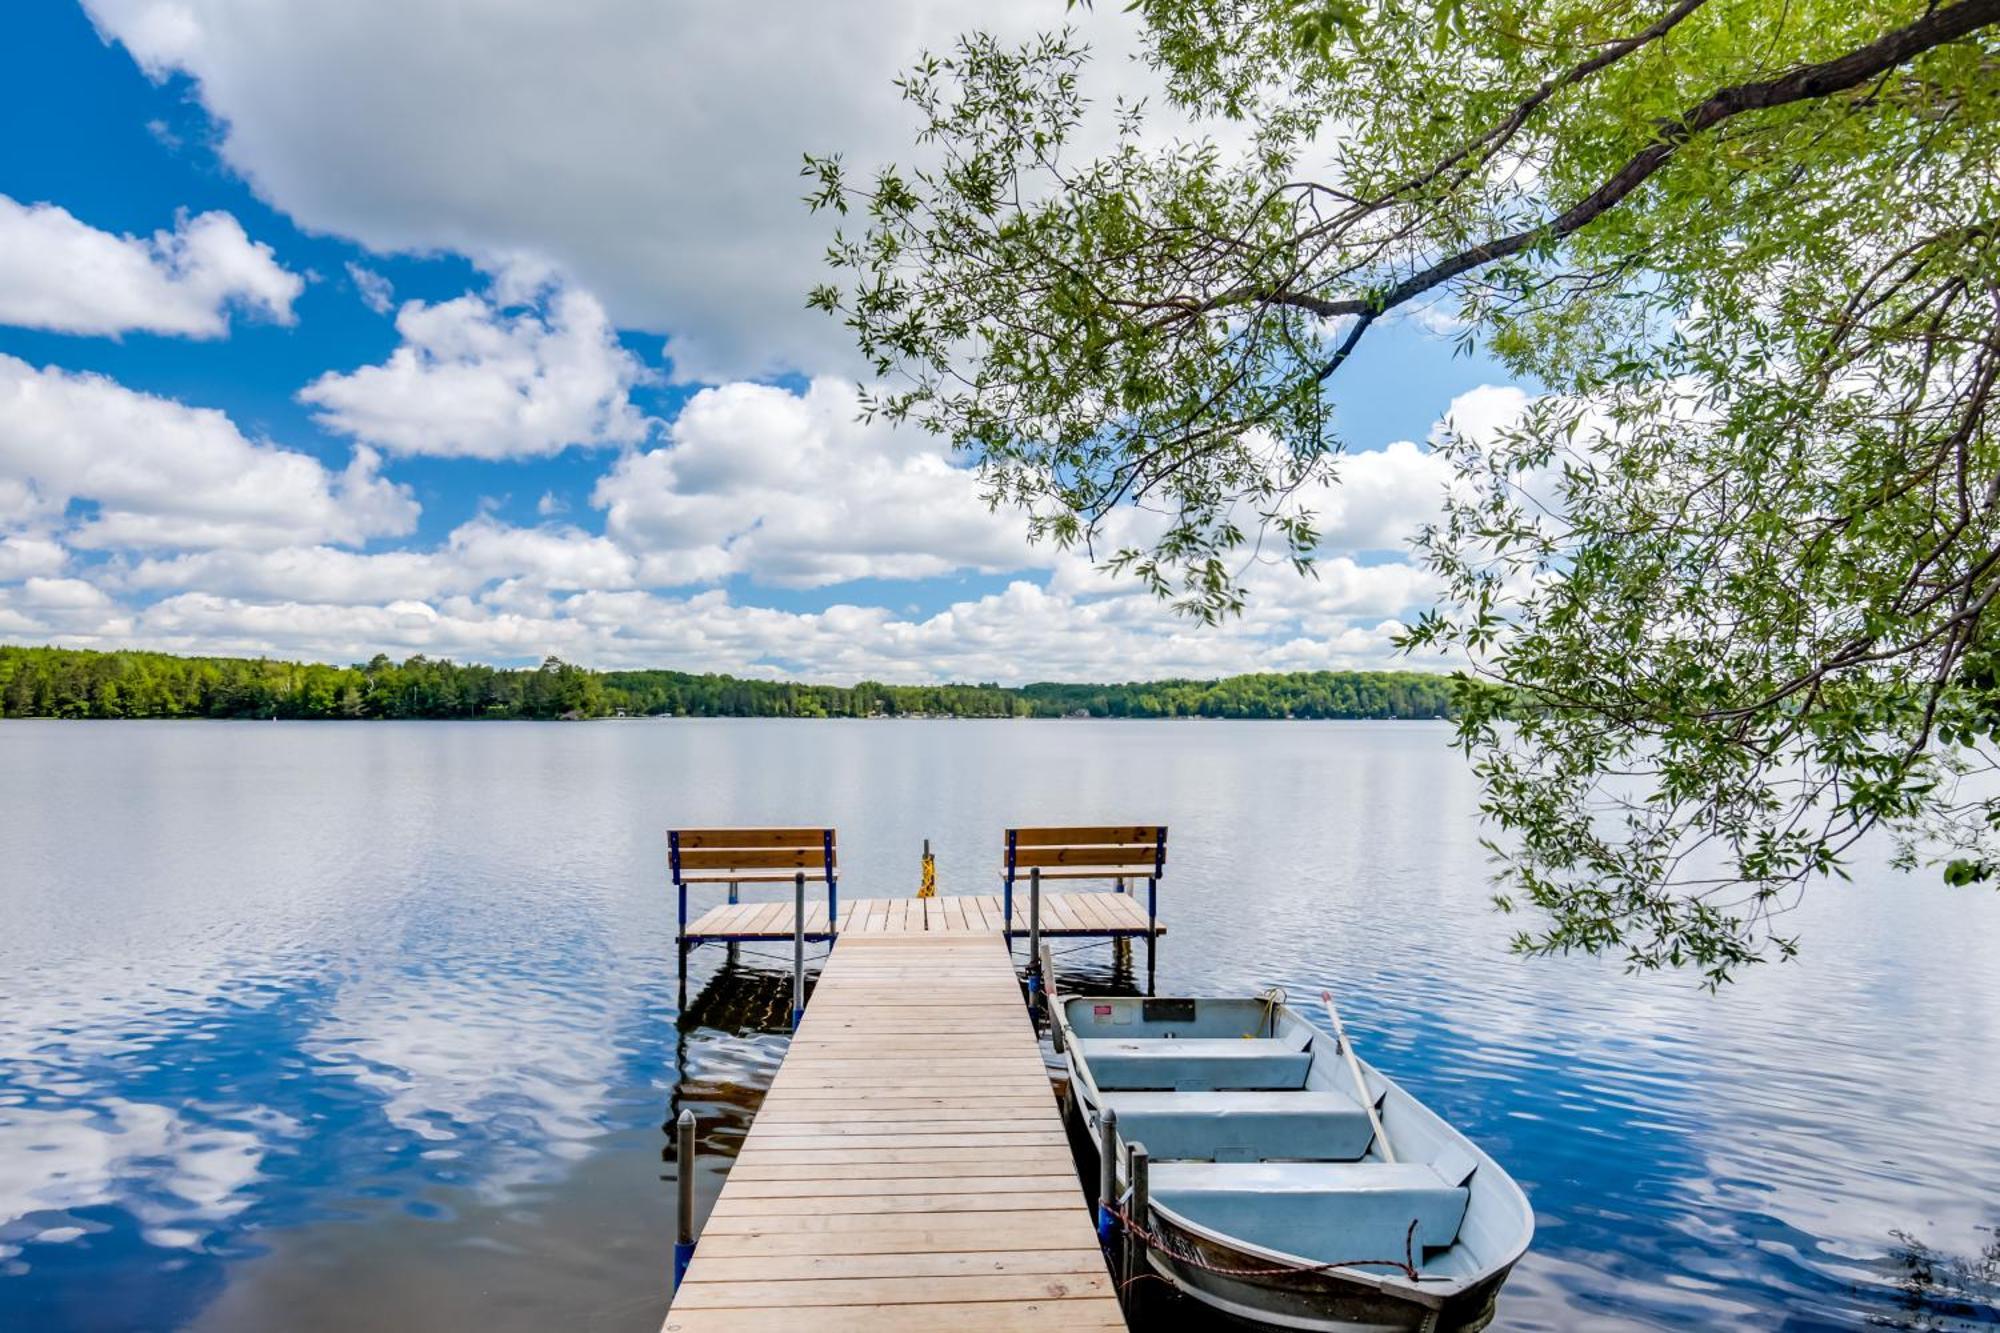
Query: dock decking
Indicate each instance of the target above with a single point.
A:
(909, 1168)
(1063, 915)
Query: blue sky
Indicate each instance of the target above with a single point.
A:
(330, 330)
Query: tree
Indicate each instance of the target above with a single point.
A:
(1734, 566)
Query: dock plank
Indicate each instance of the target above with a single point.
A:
(919, 1262)
(986, 1316)
(905, 1289)
(970, 915)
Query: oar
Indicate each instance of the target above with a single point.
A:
(1360, 1083)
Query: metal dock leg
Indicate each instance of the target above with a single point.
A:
(1107, 1172)
(1153, 918)
(1049, 998)
(684, 1165)
(682, 940)
(1137, 1209)
(734, 898)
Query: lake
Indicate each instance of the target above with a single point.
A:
(339, 1025)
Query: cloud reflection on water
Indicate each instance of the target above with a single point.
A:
(378, 1021)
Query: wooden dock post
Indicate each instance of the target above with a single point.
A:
(684, 1185)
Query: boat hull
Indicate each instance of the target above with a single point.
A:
(1328, 1300)
(1263, 1284)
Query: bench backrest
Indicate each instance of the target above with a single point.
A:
(1133, 852)
(750, 855)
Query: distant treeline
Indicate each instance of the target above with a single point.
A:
(63, 682)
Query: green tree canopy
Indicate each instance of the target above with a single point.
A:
(1734, 564)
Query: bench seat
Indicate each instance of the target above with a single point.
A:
(1328, 1212)
(1196, 1064)
(1244, 1126)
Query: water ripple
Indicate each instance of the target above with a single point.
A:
(324, 1026)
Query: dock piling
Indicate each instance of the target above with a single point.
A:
(1136, 1209)
(1107, 1172)
(684, 1182)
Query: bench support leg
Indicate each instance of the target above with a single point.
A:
(734, 898)
(1152, 923)
(1034, 930)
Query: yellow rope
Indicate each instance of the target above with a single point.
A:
(1272, 997)
(929, 888)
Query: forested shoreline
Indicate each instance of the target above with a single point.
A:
(76, 683)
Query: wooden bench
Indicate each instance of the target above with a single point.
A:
(1133, 852)
(752, 856)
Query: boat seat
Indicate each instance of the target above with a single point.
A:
(1194, 1064)
(1244, 1126)
(1328, 1212)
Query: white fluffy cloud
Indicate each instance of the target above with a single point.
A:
(475, 378)
(315, 574)
(27, 555)
(651, 150)
(1023, 633)
(477, 555)
(753, 480)
(156, 473)
(1380, 498)
(1481, 414)
(376, 291)
(58, 272)
(645, 154)
(793, 490)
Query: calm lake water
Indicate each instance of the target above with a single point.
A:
(332, 1026)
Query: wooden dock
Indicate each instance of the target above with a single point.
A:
(909, 1168)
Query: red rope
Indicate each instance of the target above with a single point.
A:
(1407, 1264)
